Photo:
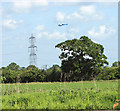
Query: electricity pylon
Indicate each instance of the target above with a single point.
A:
(33, 49)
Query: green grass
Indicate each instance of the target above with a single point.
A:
(69, 95)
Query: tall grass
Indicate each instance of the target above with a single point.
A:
(73, 95)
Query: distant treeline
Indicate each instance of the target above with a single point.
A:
(14, 73)
(81, 59)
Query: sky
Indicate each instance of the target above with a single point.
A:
(97, 20)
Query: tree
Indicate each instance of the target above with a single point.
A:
(109, 73)
(53, 73)
(13, 66)
(81, 57)
(30, 74)
(118, 74)
(10, 73)
(41, 75)
(116, 64)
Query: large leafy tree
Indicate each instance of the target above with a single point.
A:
(11, 72)
(81, 58)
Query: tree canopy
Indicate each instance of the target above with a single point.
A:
(81, 56)
(116, 64)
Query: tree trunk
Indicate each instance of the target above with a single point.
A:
(64, 77)
(61, 75)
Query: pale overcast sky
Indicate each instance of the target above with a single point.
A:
(97, 20)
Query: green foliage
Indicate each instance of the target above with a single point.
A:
(81, 57)
(109, 73)
(47, 86)
(30, 74)
(13, 73)
(40, 77)
(13, 66)
(116, 64)
(53, 73)
(3, 79)
(10, 73)
(72, 95)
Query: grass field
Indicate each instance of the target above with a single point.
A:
(68, 95)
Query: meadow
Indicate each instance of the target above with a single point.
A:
(60, 95)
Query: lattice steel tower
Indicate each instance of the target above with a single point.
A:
(33, 49)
